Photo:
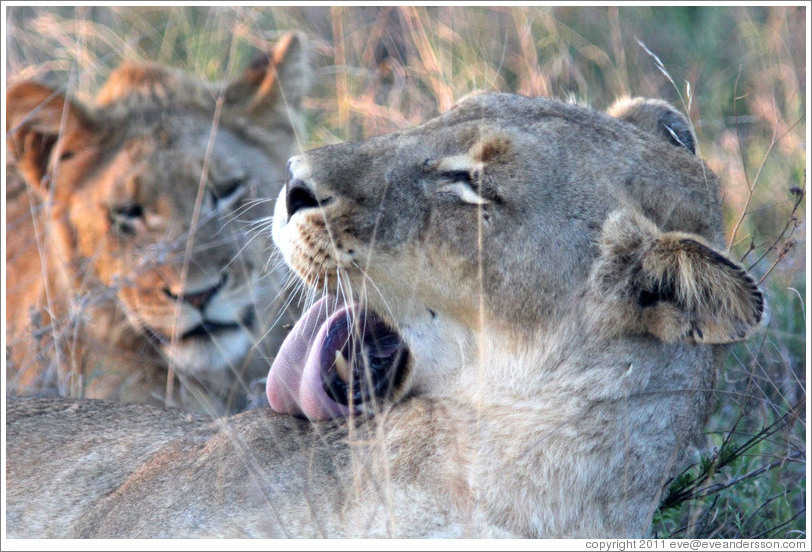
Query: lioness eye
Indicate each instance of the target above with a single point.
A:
(129, 211)
(458, 176)
(227, 191)
(124, 217)
(460, 183)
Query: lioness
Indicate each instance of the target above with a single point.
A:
(534, 304)
(132, 251)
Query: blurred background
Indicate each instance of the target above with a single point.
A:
(738, 73)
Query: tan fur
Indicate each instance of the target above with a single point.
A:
(556, 371)
(102, 215)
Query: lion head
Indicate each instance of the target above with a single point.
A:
(134, 255)
(548, 270)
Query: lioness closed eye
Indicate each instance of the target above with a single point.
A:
(132, 251)
(526, 294)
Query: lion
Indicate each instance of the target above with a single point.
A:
(524, 306)
(133, 271)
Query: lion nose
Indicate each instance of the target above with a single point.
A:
(299, 196)
(198, 299)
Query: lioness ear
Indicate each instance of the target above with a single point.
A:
(41, 124)
(279, 76)
(684, 290)
(657, 117)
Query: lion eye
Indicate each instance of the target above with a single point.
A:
(461, 184)
(132, 211)
(226, 193)
(463, 177)
(124, 217)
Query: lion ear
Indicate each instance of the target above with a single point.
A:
(657, 117)
(41, 125)
(280, 76)
(690, 292)
(684, 290)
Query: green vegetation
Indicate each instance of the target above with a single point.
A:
(738, 73)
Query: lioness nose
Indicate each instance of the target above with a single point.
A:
(299, 196)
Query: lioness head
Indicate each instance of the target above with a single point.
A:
(143, 209)
(544, 271)
(485, 249)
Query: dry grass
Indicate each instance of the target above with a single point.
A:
(739, 73)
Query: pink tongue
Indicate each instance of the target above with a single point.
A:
(294, 383)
